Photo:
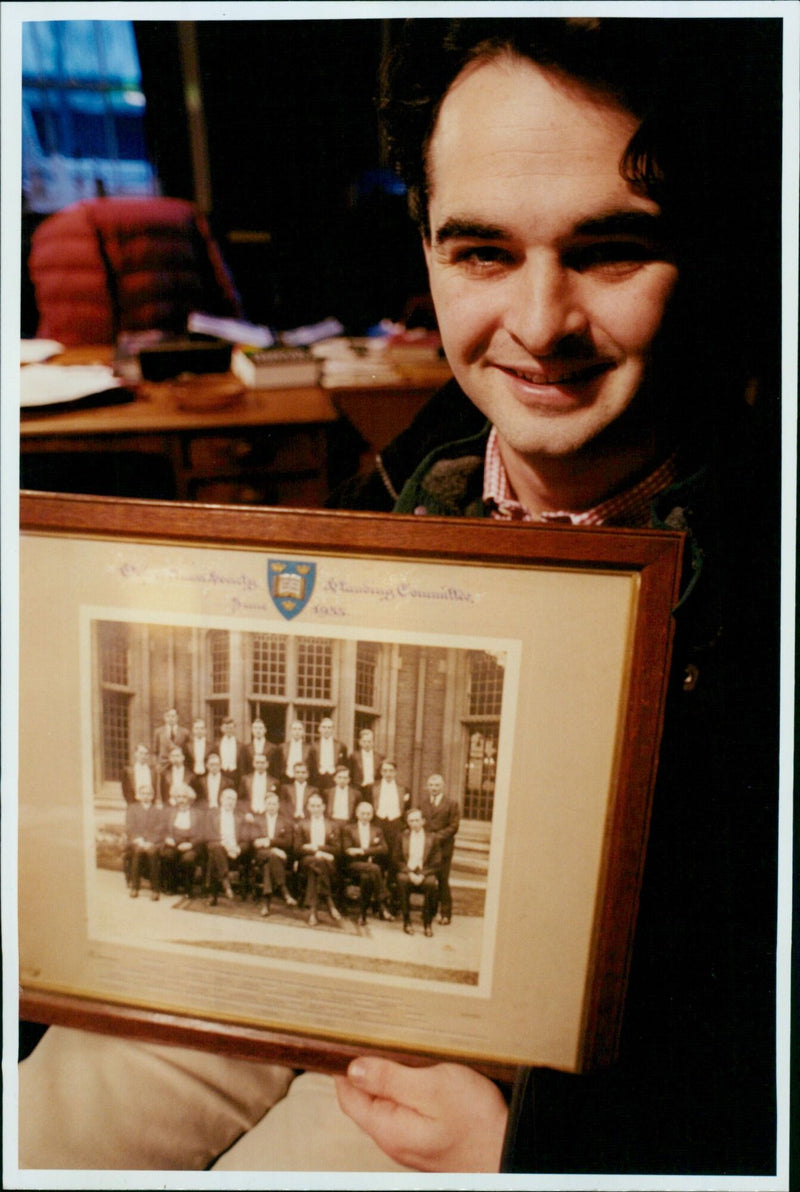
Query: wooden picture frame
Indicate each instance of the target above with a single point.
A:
(571, 630)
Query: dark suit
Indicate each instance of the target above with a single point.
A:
(268, 848)
(318, 870)
(129, 785)
(202, 784)
(218, 860)
(357, 770)
(278, 761)
(289, 802)
(353, 798)
(429, 867)
(444, 821)
(163, 742)
(145, 832)
(325, 780)
(366, 869)
(233, 777)
(246, 789)
(184, 848)
(392, 828)
(167, 780)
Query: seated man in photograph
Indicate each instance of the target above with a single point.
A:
(141, 773)
(273, 852)
(365, 855)
(184, 840)
(230, 843)
(145, 830)
(295, 795)
(317, 846)
(442, 815)
(416, 867)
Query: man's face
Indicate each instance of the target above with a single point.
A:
(297, 731)
(364, 812)
(227, 728)
(142, 755)
(171, 718)
(326, 728)
(548, 273)
(388, 772)
(214, 764)
(301, 772)
(435, 785)
(199, 728)
(182, 798)
(176, 757)
(272, 803)
(259, 732)
(228, 800)
(365, 739)
(315, 806)
(414, 820)
(260, 764)
(342, 778)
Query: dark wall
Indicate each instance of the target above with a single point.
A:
(292, 138)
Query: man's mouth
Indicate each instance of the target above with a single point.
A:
(559, 376)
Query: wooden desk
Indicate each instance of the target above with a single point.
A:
(269, 447)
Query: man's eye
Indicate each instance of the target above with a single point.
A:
(481, 256)
(615, 257)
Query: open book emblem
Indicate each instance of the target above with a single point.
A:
(290, 585)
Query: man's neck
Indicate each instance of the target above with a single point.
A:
(546, 484)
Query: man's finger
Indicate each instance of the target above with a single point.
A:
(412, 1087)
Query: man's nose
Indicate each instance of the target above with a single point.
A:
(546, 305)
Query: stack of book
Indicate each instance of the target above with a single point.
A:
(274, 368)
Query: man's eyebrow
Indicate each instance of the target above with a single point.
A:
(608, 223)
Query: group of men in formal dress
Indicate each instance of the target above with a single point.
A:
(304, 822)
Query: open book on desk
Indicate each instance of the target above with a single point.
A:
(46, 388)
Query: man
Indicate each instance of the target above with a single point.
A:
(391, 801)
(365, 763)
(365, 855)
(317, 845)
(596, 200)
(232, 756)
(141, 773)
(198, 748)
(326, 755)
(175, 775)
(416, 863)
(273, 851)
(211, 785)
(229, 843)
(167, 735)
(256, 786)
(295, 795)
(442, 816)
(258, 745)
(184, 840)
(144, 824)
(285, 757)
(342, 797)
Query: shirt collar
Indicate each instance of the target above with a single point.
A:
(628, 508)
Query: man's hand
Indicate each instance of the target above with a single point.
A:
(444, 1118)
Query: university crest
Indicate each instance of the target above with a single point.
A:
(290, 585)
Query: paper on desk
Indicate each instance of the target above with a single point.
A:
(33, 351)
(49, 384)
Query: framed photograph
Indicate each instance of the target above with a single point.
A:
(517, 671)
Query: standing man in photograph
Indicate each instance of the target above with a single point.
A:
(168, 735)
(140, 773)
(232, 755)
(441, 815)
(326, 755)
(365, 764)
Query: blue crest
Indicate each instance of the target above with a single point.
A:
(290, 585)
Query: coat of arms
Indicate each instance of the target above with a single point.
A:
(290, 585)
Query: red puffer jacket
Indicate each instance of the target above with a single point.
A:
(102, 266)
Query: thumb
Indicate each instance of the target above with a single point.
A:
(394, 1082)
